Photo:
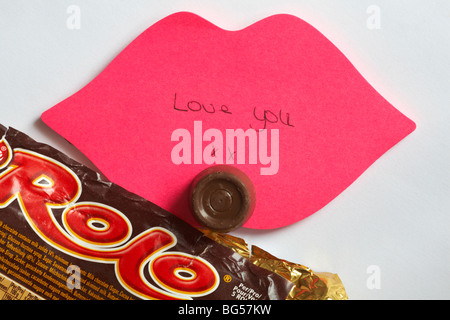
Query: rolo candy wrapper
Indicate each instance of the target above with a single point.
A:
(66, 233)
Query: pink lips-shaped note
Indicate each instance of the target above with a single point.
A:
(276, 99)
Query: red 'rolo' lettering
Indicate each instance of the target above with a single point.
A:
(192, 276)
(97, 224)
(97, 232)
(5, 153)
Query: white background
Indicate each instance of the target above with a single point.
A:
(394, 219)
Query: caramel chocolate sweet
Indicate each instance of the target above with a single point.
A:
(66, 233)
(222, 198)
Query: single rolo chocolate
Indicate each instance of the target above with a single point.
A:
(222, 198)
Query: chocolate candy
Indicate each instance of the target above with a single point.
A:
(66, 233)
(222, 198)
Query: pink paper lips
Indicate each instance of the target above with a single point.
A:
(187, 94)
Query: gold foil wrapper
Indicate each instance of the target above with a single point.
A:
(308, 285)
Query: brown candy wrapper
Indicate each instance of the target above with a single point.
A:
(68, 234)
(308, 285)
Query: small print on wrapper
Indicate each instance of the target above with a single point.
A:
(67, 234)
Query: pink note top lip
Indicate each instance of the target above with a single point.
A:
(279, 74)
